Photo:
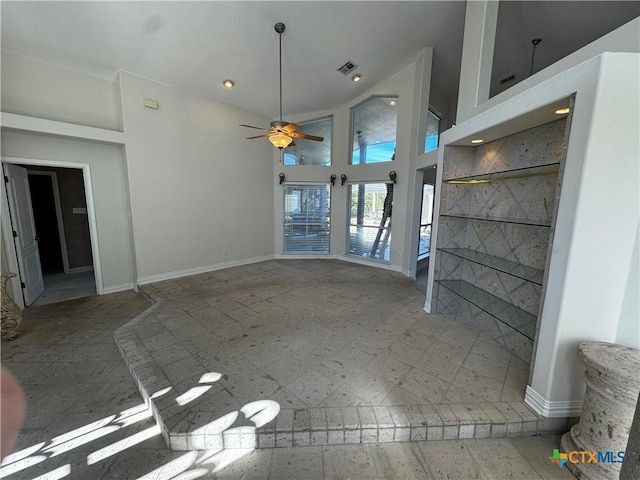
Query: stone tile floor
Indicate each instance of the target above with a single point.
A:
(326, 333)
(86, 419)
(59, 287)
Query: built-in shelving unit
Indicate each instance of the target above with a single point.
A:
(524, 272)
(519, 221)
(497, 208)
(524, 172)
(514, 317)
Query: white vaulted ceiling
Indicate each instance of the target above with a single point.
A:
(193, 46)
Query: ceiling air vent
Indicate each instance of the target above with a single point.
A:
(347, 67)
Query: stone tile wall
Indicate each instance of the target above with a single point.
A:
(520, 199)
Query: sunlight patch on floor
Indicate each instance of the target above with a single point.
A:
(122, 445)
(192, 394)
(173, 468)
(239, 441)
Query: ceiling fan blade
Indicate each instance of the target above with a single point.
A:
(290, 127)
(259, 136)
(306, 136)
(257, 128)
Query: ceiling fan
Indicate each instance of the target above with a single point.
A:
(281, 133)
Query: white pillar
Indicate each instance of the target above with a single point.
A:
(477, 56)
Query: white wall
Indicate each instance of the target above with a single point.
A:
(198, 188)
(39, 89)
(629, 327)
(109, 191)
(402, 85)
(481, 19)
(596, 227)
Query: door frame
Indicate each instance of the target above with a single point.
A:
(58, 206)
(12, 258)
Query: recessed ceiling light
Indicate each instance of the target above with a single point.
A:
(477, 140)
(228, 83)
(392, 103)
(563, 111)
(356, 78)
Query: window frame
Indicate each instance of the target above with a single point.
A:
(302, 124)
(352, 133)
(386, 261)
(284, 218)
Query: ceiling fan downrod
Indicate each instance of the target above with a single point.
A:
(280, 28)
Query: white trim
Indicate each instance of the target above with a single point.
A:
(372, 263)
(303, 256)
(87, 268)
(24, 123)
(160, 277)
(552, 409)
(91, 209)
(147, 279)
(119, 288)
(344, 258)
(58, 206)
(427, 307)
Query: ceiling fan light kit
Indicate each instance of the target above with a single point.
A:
(280, 140)
(281, 133)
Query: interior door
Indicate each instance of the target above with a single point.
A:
(24, 232)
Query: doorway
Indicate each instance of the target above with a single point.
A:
(57, 206)
(424, 228)
(60, 209)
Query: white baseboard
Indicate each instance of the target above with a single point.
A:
(118, 288)
(344, 258)
(88, 268)
(552, 409)
(427, 307)
(369, 263)
(161, 277)
(303, 256)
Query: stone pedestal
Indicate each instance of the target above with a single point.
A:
(612, 377)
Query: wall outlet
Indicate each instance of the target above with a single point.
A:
(224, 251)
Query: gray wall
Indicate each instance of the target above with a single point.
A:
(76, 226)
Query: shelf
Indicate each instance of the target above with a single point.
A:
(538, 170)
(519, 221)
(524, 272)
(510, 315)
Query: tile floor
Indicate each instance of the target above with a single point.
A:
(326, 333)
(348, 345)
(61, 287)
(86, 419)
